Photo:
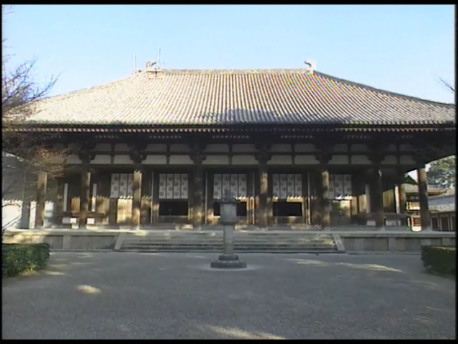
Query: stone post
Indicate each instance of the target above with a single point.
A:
(228, 219)
(425, 217)
(41, 199)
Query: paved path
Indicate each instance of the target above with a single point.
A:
(138, 296)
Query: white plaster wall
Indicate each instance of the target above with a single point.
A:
(217, 147)
(216, 160)
(244, 160)
(33, 209)
(242, 147)
(155, 160)
(101, 159)
(67, 220)
(305, 147)
(180, 160)
(73, 159)
(178, 147)
(11, 213)
(156, 147)
(305, 160)
(122, 159)
(339, 160)
(360, 160)
(280, 160)
(48, 214)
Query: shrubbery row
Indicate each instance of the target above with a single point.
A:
(19, 258)
(439, 258)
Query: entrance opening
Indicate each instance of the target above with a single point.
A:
(283, 208)
(444, 224)
(173, 208)
(241, 209)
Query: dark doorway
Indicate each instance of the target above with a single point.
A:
(173, 208)
(283, 208)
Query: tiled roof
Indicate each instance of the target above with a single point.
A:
(209, 97)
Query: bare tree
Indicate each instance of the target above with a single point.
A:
(23, 152)
(447, 85)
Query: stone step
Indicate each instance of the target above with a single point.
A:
(236, 248)
(243, 242)
(245, 251)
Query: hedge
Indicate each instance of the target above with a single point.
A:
(19, 258)
(439, 258)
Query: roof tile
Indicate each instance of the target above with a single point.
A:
(180, 97)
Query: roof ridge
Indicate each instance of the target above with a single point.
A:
(382, 91)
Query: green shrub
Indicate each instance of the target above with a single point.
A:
(439, 258)
(19, 258)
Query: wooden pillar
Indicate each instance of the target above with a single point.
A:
(425, 217)
(137, 197)
(155, 198)
(263, 196)
(85, 195)
(197, 200)
(402, 202)
(305, 217)
(113, 213)
(41, 199)
(325, 206)
(59, 210)
(378, 198)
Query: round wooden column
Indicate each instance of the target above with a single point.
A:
(85, 194)
(137, 197)
(378, 198)
(325, 206)
(425, 217)
(41, 199)
(198, 196)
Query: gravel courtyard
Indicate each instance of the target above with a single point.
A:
(175, 295)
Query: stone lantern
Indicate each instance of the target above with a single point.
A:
(228, 219)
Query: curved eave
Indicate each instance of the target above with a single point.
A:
(404, 127)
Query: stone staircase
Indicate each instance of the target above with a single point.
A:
(244, 241)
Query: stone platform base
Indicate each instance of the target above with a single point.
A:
(228, 261)
(348, 240)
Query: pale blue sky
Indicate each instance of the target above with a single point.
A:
(402, 49)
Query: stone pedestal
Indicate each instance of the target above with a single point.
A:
(228, 260)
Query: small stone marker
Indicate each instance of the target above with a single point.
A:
(228, 260)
